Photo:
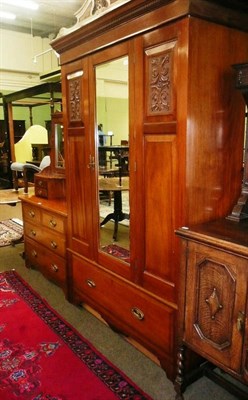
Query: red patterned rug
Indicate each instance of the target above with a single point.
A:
(117, 251)
(42, 357)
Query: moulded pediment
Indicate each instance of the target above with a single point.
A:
(91, 10)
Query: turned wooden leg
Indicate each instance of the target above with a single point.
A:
(15, 179)
(179, 381)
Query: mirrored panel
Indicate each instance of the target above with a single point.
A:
(59, 146)
(112, 136)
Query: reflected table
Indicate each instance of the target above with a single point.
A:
(115, 185)
(11, 196)
(118, 152)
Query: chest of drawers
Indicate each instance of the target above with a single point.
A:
(45, 237)
(49, 187)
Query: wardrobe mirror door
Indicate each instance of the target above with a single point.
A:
(112, 136)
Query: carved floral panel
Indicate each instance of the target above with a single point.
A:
(159, 79)
(74, 96)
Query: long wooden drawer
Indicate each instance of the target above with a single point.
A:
(51, 265)
(31, 213)
(47, 237)
(143, 315)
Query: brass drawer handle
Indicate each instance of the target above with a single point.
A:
(34, 253)
(40, 183)
(52, 223)
(137, 313)
(40, 192)
(53, 245)
(33, 233)
(90, 283)
(31, 214)
(54, 267)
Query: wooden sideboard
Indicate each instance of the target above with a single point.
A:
(214, 299)
(45, 237)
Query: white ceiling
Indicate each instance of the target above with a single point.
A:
(46, 21)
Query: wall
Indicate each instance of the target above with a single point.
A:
(112, 98)
(113, 115)
(39, 114)
(17, 68)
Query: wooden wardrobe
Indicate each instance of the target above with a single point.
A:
(186, 133)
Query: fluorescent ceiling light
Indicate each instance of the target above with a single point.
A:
(7, 15)
(31, 5)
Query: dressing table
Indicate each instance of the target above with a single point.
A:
(45, 214)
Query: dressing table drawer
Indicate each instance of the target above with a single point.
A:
(41, 192)
(53, 222)
(53, 266)
(41, 187)
(51, 240)
(44, 237)
(40, 183)
(31, 213)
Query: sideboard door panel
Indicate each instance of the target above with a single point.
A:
(215, 313)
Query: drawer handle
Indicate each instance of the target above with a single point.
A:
(34, 253)
(33, 233)
(137, 313)
(54, 267)
(31, 214)
(90, 283)
(40, 192)
(241, 321)
(53, 245)
(52, 223)
(40, 183)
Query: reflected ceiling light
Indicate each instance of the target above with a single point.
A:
(7, 15)
(31, 5)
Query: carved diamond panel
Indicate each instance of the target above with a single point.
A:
(215, 303)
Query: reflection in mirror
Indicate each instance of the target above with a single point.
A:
(112, 113)
(59, 146)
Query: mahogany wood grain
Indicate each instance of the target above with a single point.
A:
(213, 301)
(185, 145)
